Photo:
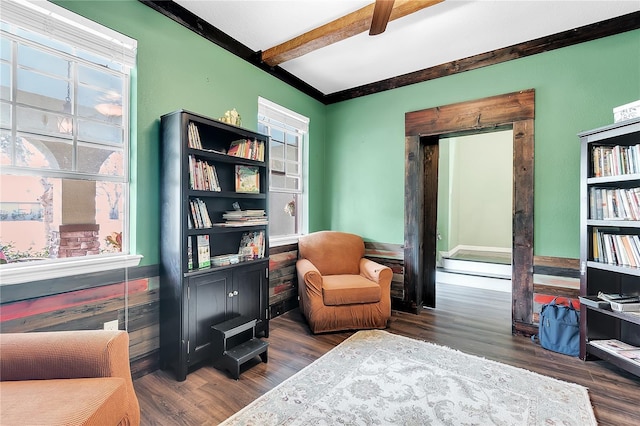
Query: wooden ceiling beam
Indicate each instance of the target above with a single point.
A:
(381, 15)
(338, 30)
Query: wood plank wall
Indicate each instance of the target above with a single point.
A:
(135, 302)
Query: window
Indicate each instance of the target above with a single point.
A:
(288, 131)
(64, 135)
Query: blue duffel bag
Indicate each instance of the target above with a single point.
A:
(559, 328)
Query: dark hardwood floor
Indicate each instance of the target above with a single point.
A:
(471, 320)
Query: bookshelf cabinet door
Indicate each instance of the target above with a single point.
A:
(251, 284)
(207, 306)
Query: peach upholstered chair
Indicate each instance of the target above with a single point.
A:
(67, 378)
(339, 289)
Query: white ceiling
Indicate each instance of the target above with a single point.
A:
(448, 31)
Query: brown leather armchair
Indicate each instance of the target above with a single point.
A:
(339, 289)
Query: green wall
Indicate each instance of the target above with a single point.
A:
(475, 170)
(356, 176)
(576, 89)
(177, 69)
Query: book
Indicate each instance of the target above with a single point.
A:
(252, 245)
(594, 302)
(204, 256)
(618, 298)
(247, 179)
(612, 345)
(632, 355)
(189, 254)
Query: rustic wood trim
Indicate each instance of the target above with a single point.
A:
(413, 224)
(337, 30)
(557, 262)
(470, 116)
(43, 288)
(515, 109)
(522, 225)
(583, 34)
(283, 248)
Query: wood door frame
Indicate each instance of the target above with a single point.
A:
(423, 130)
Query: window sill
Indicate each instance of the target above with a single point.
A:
(16, 273)
(283, 241)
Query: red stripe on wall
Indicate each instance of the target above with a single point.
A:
(27, 308)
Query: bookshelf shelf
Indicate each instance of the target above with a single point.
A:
(210, 274)
(610, 236)
(620, 315)
(614, 359)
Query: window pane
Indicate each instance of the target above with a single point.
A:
(100, 160)
(100, 95)
(6, 148)
(291, 139)
(99, 60)
(5, 114)
(5, 81)
(98, 132)
(43, 122)
(292, 153)
(277, 135)
(293, 168)
(43, 91)
(281, 221)
(292, 183)
(33, 213)
(277, 181)
(5, 49)
(44, 153)
(37, 59)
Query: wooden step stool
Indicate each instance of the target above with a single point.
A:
(232, 349)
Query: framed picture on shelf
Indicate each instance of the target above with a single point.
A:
(247, 179)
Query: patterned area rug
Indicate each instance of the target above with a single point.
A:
(378, 378)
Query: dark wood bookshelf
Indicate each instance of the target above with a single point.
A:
(596, 275)
(193, 300)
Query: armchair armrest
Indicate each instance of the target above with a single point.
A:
(64, 355)
(310, 276)
(376, 272)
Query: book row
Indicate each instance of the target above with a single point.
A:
(252, 246)
(243, 148)
(614, 204)
(199, 215)
(194, 136)
(202, 175)
(615, 160)
(616, 249)
(246, 148)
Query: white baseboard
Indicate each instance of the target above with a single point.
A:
(497, 284)
(494, 270)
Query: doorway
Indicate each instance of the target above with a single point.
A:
(423, 129)
(475, 198)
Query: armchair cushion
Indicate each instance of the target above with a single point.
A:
(95, 401)
(349, 289)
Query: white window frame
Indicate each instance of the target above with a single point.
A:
(46, 18)
(301, 123)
